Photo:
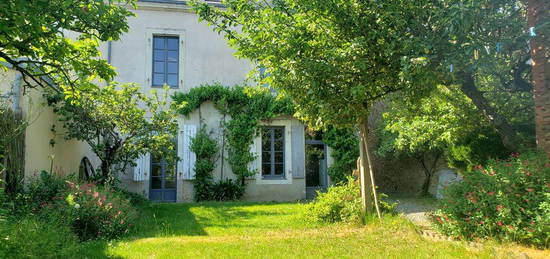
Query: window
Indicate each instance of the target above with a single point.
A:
(165, 61)
(273, 152)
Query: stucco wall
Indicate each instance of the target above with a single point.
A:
(204, 58)
(40, 118)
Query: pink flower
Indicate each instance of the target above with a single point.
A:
(515, 155)
(96, 194)
(499, 207)
(491, 193)
(530, 189)
(499, 223)
(481, 222)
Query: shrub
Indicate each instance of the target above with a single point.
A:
(91, 211)
(133, 198)
(341, 203)
(94, 212)
(33, 238)
(40, 192)
(226, 190)
(507, 200)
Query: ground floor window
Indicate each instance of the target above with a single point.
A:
(273, 152)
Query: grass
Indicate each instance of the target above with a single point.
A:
(268, 230)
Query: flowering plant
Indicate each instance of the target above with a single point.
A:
(96, 212)
(508, 200)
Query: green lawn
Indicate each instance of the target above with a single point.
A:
(268, 230)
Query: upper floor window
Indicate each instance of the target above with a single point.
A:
(165, 61)
(273, 158)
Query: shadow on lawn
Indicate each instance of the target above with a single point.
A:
(165, 220)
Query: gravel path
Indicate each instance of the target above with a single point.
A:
(416, 209)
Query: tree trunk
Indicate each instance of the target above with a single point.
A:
(428, 172)
(508, 135)
(368, 188)
(537, 16)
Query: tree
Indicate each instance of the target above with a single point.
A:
(33, 40)
(443, 122)
(482, 44)
(538, 19)
(333, 58)
(114, 121)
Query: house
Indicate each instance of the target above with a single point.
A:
(166, 44)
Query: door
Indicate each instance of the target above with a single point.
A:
(163, 180)
(316, 168)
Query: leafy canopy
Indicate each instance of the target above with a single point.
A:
(333, 58)
(34, 39)
(120, 123)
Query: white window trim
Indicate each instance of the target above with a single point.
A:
(150, 32)
(257, 149)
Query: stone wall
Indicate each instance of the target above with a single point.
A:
(402, 175)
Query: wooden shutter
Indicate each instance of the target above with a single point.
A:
(188, 157)
(180, 146)
(298, 151)
(141, 170)
(254, 164)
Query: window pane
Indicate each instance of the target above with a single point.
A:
(266, 169)
(279, 169)
(173, 67)
(158, 67)
(158, 42)
(266, 157)
(155, 183)
(172, 56)
(279, 145)
(158, 55)
(279, 157)
(155, 169)
(158, 79)
(172, 80)
(266, 140)
(170, 183)
(278, 134)
(173, 43)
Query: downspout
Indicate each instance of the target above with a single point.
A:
(109, 51)
(16, 93)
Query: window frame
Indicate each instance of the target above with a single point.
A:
(272, 174)
(165, 60)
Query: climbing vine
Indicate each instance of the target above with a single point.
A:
(345, 150)
(205, 148)
(246, 107)
(12, 150)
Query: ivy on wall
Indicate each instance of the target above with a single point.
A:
(246, 107)
(12, 150)
(345, 151)
(205, 148)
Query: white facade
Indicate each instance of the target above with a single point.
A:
(204, 57)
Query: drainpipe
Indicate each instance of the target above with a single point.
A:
(109, 51)
(16, 93)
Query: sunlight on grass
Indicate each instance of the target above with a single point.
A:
(251, 230)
